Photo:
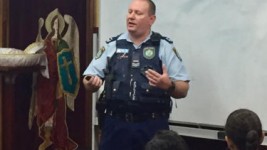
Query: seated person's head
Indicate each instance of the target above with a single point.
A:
(166, 140)
(243, 130)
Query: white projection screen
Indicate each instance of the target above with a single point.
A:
(224, 48)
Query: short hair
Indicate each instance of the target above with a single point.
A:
(152, 7)
(166, 140)
(244, 128)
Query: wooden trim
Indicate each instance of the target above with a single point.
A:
(1, 22)
(90, 23)
(1, 108)
(96, 13)
(4, 23)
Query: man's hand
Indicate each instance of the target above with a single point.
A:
(92, 83)
(159, 80)
(164, 82)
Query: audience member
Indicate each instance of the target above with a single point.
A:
(243, 130)
(166, 140)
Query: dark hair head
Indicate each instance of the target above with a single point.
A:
(244, 128)
(152, 7)
(166, 140)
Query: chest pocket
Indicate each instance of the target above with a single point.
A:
(121, 63)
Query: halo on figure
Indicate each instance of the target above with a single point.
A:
(49, 19)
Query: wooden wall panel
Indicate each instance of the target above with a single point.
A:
(4, 22)
(4, 19)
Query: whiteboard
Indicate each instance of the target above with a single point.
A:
(224, 48)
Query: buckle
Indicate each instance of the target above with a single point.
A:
(110, 113)
(153, 115)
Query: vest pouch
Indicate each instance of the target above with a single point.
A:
(101, 106)
(156, 104)
(156, 100)
(152, 92)
(118, 93)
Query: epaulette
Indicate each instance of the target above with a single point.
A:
(113, 39)
(167, 39)
(155, 38)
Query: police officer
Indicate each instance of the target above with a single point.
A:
(142, 71)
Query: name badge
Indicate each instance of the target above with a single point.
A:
(122, 50)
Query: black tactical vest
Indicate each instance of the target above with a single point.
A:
(127, 84)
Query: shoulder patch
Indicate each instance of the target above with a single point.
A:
(177, 54)
(167, 39)
(100, 52)
(113, 38)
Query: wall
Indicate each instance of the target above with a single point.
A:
(223, 46)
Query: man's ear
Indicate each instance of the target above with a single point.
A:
(152, 19)
(229, 142)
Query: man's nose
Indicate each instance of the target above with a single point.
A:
(131, 15)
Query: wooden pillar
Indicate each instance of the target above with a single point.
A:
(1, 108)
(8, 111)
(4, 23)
(8, 98)
(4, 36)
(90, 25)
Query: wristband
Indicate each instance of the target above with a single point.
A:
(171, 88)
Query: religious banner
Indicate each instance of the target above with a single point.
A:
(57, 88)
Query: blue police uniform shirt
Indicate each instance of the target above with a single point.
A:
(175, 67)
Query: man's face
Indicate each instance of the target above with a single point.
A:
(139, 21)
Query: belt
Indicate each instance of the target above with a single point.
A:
(140, 117)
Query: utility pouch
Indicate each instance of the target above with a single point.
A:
(101, 106)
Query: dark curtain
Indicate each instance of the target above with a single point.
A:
(24, 15)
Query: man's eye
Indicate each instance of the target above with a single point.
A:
(138, 13)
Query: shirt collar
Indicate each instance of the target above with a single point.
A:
(126, 36)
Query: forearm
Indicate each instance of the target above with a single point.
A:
(180, 90)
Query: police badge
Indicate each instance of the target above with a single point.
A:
(149, 52)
